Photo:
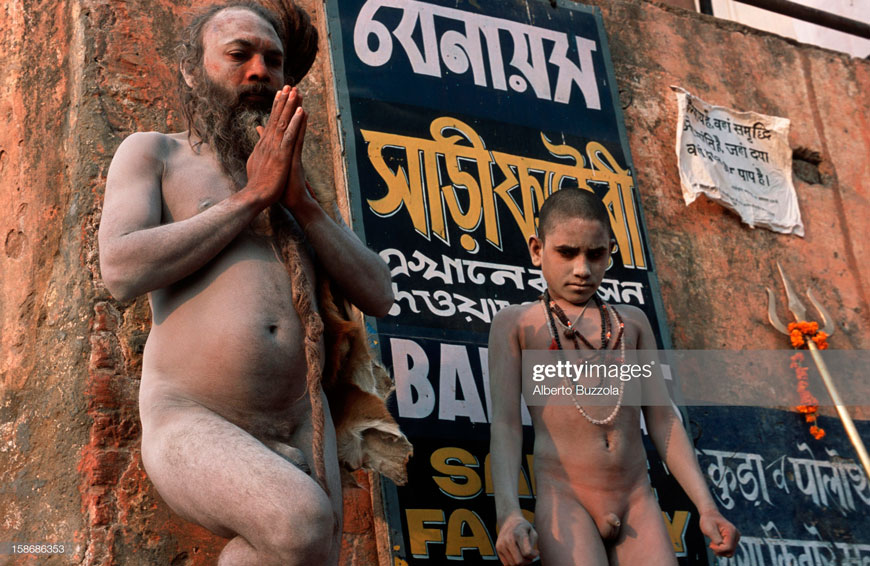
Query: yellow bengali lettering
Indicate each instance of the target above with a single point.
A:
(469, 194)
(620, 203)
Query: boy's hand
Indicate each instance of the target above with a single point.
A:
(517, 541)
(723, 535)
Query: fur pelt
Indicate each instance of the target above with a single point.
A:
(356, 386)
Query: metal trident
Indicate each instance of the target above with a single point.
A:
(799, 311)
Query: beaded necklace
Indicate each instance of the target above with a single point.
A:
(550, 307)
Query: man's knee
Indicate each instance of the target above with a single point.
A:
(307, 532)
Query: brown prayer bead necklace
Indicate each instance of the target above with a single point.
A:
(570, 330)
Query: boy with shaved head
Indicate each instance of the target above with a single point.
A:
(219, 226)
(594, 503)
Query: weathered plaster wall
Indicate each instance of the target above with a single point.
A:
(712, 268)
(77, 78)
(43, 294)
(79, 75)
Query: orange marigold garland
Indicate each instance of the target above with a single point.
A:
(800, 332)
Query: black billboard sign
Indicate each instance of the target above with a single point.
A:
(459, 118)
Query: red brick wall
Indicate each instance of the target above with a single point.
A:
(80, 75)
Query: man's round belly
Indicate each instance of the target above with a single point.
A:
(229, 337)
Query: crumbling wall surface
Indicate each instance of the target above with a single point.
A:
(44, 291)
(75, 80)
(712, 268)
(78, 77)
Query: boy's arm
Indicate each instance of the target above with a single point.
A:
(675, 448)
(516, 538)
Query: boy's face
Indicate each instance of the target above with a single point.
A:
(573, 257)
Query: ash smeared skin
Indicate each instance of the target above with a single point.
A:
(226, 415)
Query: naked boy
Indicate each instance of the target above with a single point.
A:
(594, 501)
(218, 226)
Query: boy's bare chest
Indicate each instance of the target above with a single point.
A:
(540, 327)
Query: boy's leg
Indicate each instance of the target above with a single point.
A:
(566, 532)
(643, 538)
(214, 473)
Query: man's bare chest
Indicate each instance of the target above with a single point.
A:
(192, 182)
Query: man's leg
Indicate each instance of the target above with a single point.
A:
(643, 538)
(214, 473)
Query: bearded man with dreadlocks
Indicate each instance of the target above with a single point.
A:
(220, 227)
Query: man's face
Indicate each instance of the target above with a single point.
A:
(573, 257)
(242, 59)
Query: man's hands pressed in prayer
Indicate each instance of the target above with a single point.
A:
(279, 150)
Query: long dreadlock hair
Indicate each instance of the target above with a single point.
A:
(302, 293)
(299, 40)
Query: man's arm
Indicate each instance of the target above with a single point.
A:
(138, 254)
(675, 448)
(360, 273)
(516, 538)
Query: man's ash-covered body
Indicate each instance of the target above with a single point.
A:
(594, 502)
(225, 403)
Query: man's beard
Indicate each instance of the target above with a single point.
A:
(227, 120)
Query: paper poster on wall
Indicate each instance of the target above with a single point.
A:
(741, 160)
